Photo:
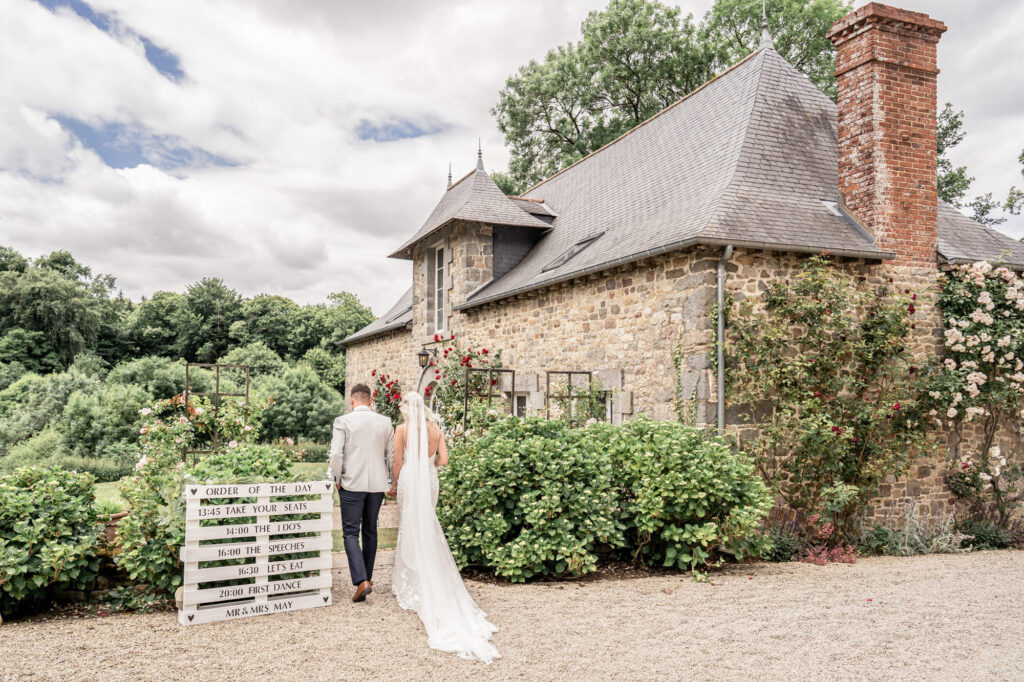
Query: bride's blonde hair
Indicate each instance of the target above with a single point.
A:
(412, 396)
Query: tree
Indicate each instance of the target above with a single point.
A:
(12, 261)
(954, 182)
(261, 361)
(302, 405)
(266, 319)
(798, 29)
(213, 308)
(635, 58)
(330, 367)
(160, 325)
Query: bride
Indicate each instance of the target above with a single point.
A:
(426, 579)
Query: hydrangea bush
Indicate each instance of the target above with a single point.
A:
(532, 497)
(978, 387)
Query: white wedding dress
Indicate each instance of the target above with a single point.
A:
(426, 579)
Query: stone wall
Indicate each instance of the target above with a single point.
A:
(393, 353)
(634, 326)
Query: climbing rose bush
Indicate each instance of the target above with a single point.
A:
(821, 364)
(387, 396)
(447, 394)
(979, 387)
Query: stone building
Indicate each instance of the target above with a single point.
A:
(611, 266)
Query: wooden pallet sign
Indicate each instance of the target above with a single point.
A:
(259, 551)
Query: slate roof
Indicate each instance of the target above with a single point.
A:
(400, 315)
(962, 240)
(747, 160)
(474, 197)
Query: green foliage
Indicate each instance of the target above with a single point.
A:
(105, 415)
(32, 402)
(161, 323)
(269, 320)
(529, 500)
(213, 308)
(688, 494)
(980, 384)
(329, 366)
(532, 497)
(48, 535)
(152, 534)
(10, 372)
(633, 59)
(261, 360)
(985, 534)
(821, 365)
(302, 406)
(160, 377)
(447, 392)
(953, 181)
(782, 545)
(798, 29)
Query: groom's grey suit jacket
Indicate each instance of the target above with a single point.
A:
(362, 450)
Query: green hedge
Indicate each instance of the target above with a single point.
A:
(533, 498)
(152, 534)
(48, 535)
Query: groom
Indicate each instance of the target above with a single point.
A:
(362, 450)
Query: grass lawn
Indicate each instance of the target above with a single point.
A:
(109, 491)
(386, 539)
(315, 470)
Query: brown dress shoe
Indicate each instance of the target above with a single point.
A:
(364, 589)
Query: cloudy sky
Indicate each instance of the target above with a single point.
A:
(288, 146)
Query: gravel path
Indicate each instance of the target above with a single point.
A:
(932, 617)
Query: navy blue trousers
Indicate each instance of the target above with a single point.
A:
(359, 511)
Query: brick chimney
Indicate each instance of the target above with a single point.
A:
(886, 71)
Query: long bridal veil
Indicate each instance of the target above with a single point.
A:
(426, 579)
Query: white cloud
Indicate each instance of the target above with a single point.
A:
(280, 89)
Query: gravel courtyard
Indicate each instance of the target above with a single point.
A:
(932, 617)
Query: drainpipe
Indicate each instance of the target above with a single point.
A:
(721, 337)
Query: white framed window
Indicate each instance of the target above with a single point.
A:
(438, 272)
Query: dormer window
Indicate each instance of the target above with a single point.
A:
(572, 252)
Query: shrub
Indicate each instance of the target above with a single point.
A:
(985, 534)
(34, 451)
(688, 494)
(533, 498)
(10, 372)
(914, 536)
(448, 391)
(160, 377)
(307, 452)
(783, 545)
(261, 360)
(387, 396)
(528, 500)
(32, 402)
(151, 536)
(302, 405)
(105, 415)
(822, 366)
(48, 535)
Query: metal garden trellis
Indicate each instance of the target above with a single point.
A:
(490, 384)
(569, 396)
(216, 396)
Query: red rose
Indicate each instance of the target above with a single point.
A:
(896, 406)
(484, 351)
(436, 338)
(373, 373)
(453, 335)
(911, 309)
(817, 394)
(375, 394)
